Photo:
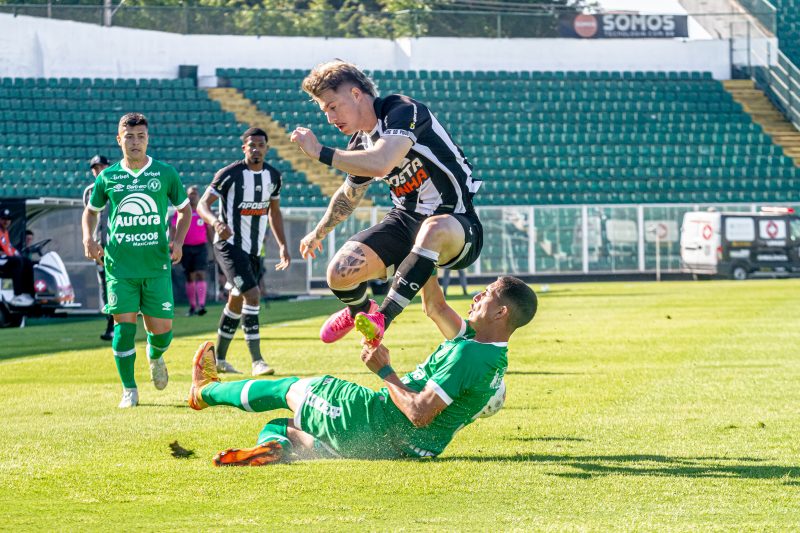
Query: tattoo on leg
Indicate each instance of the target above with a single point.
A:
(352, 259)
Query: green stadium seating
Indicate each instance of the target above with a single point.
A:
(78, 118)
(575, 137)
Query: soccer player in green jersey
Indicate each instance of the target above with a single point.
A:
(413, 416)
(138, 255)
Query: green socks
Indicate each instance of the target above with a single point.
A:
(125, 352)
(275, 430)
(254, 395)
(158, 344)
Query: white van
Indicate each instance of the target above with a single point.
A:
(739, 245)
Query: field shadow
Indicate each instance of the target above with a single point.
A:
(54, 335)
(595, 466)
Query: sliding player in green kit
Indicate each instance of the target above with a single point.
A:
(137, 257)
(413, 416)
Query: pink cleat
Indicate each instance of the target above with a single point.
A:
(340, 324)
(371, 325)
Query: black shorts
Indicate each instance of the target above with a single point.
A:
(242, 269)
(393, 238)
(195, 258)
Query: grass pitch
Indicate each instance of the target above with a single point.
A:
(630, 406)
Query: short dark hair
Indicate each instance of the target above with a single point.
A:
(519, 298)
(334, 74)
(132, 119)
(28, 232)
(258, 132)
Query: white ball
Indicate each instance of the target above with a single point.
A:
(495, 403)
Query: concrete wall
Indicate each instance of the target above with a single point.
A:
(38, 47)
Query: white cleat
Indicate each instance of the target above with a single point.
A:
(158, 373)
(224, 367)
(130, 398)
(261, 368)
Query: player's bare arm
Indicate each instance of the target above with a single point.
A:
(276, 223)
(181, 227)
(343, 203)
(435, 307)
(208, 216)
(377, 161)
(421, 408)
(91, 248)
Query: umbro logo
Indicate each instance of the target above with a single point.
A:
(166, 306)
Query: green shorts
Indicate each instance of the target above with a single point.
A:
(347, 418)
(151, 296)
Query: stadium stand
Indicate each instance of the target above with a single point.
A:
(788, 21)
(540, 138)
(574, 137)
(51, 127)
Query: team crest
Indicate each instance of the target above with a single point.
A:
(154, 185)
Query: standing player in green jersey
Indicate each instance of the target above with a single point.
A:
(413, 416)
(138, 255)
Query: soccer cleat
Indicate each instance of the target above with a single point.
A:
(158, 373)
(130, 398)
(204, 371)
(201, 311)
(263, 454)
(191, 312)
(224, 367)
(340, 324)
(107, 336)
(261, 368)
(371, 326)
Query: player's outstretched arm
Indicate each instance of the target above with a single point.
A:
(343, 202)
(376, 161)
(435, 307)
(421, 408)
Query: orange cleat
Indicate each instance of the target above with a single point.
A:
(263, 454)
(204, 371)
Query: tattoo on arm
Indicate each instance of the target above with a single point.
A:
(350, 259)
(344, 202)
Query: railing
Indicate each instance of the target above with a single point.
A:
(307, 23)
(764, 11)
(247, 20)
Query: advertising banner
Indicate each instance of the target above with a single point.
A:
(622, 26)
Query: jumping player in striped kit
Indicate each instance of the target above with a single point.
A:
(397, 140)
(249, 191)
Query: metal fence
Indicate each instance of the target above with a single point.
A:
(247, 20)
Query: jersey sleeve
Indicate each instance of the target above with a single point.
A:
(404, 117)
(355, 144)
(458, 373)
(98, 198)
(221, 183)
(176, 192)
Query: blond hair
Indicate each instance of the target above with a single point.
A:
(333, 74)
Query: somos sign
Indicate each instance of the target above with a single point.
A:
(622, 26)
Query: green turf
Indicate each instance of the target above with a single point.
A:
(630, 406)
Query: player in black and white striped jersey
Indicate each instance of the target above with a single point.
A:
(397, 140)
(249, 194)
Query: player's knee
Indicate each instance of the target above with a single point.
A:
(124, 337)
(433, 233)
(252, 296)
(340, 274)
(159, 341)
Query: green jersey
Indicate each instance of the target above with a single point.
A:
(467, 375)
(138, 243)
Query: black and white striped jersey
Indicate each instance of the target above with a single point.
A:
(435, 177)
(244, 202)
